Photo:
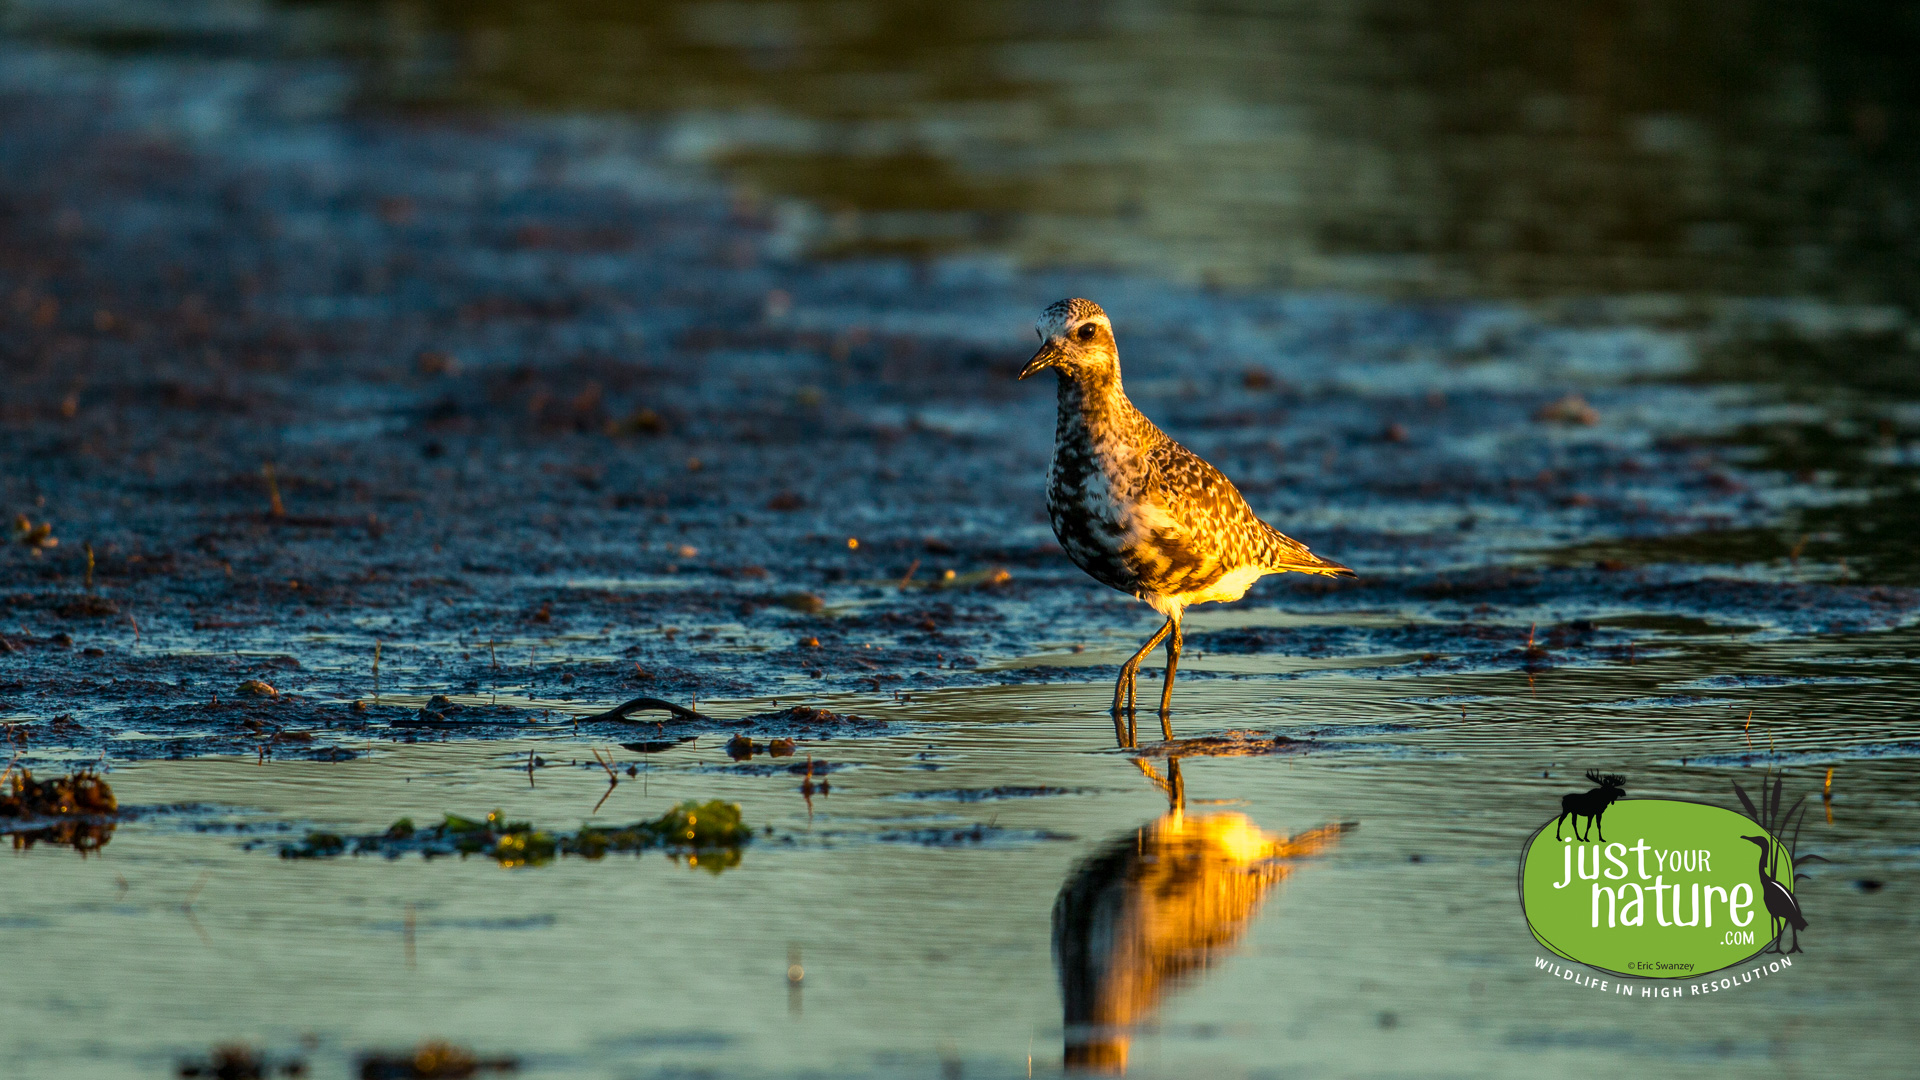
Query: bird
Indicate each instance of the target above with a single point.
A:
(1138, 511)
(1778, 898)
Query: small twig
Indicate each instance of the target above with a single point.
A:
(194, 921)
(407, 935)
(909, 574)
(613, 779)
(194, 893)
(277, 509)
(88, 547)
(376, 671)
(186, 908)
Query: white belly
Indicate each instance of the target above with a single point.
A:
(1232, 586)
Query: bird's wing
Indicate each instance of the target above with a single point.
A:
(1205, 504)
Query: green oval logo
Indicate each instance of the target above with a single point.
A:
(1658, 889)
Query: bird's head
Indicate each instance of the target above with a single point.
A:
(1075, 339)
(1761, 840)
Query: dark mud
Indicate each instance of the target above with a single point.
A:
(314, 412)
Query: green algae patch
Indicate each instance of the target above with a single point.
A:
(707, 835)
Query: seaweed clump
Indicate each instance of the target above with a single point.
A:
(81, 805)
(240, 1062)
(432, 1060)
(709, 835)
(78, 795)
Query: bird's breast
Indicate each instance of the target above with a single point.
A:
(1104, 511)
(1090, 509)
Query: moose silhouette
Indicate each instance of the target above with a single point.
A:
(1590, 804)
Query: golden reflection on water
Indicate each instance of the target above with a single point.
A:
(1156, 907)
(85, 836)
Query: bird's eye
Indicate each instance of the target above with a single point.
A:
(1087, 330)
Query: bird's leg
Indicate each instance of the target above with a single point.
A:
(1166, 687)
(1132, 666)
(1122, 690)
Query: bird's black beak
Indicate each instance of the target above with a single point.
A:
(1049, 355)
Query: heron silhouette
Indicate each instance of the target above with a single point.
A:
(1782, 905)
(1779, 899)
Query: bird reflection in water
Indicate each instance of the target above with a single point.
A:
(1154, 908)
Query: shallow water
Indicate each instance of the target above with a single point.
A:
(1396, 941)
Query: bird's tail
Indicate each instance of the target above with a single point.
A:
(1284, 554)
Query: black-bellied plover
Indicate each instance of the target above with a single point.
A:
(1137, 510)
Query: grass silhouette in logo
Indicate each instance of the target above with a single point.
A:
(1592, 805)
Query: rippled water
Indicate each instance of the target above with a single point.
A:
(1385, 935)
